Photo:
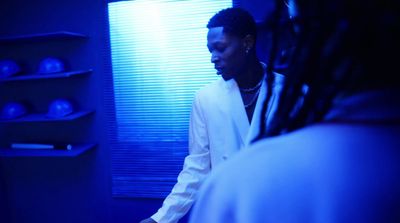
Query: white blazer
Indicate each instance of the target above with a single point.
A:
(219, 127)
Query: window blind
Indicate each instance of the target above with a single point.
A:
(159, 60)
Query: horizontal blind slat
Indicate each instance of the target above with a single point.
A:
(159, 60)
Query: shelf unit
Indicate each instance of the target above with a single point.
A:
(59, 35)
(77, 149)
(43, 118)
(46, 76)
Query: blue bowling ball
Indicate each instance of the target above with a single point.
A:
(59, 108)
(8, 68)
(51, 65)
(12, 110)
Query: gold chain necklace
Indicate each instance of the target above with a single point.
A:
(253, 99)
(257, 87)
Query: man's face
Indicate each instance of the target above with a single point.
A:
(227, 52)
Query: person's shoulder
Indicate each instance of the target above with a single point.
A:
(212, 88)
(212, 84)
(303, 150)
(270, 153)
(260, 170)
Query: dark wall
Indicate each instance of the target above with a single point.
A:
(263, 12)
(56, 189)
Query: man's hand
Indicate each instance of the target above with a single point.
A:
(148, 220)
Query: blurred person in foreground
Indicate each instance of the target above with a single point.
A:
(223, 112)
(339, 157)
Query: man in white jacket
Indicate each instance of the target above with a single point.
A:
(225, 114)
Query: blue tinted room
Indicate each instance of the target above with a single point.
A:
(100, 97)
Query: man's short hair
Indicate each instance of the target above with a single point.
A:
(235, 21)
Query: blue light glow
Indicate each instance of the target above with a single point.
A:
(160, 59)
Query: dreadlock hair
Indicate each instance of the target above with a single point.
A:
(344, 46)
(235, 21)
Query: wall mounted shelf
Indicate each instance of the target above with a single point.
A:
(42, 117)
(30, 42)
(42, 37)
(76, 150)
(24, 77)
